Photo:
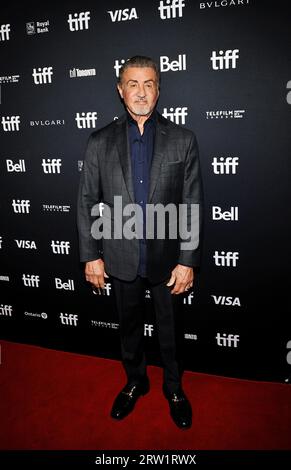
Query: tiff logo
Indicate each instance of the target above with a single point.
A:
(105, 291)
(86, 120)
(4, 32)
(51, 165)
(69, 319)
(224, 60)
(60, 247)
(148, 330)
(171, 9)
(123, 15)
(17, 167)
(42, 75)
(230, 341)
(10, 123)
(21, 206)
(176, 115)
(218, 213)
(175, 65)
(225, 166)
(30, 280)
(80, 21)
(117, 66)
(6, 310)
(188, 299)
(1, 240)
(224, 259)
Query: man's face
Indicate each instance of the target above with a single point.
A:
(139, 90)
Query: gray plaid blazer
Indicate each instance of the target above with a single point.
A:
(174, 178)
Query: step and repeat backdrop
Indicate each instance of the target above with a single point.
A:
(226, 74)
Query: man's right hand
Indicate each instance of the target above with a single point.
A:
(94, 272)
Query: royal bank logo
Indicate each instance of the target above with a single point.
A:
(230, 215)
(6, 310)
(37, 27)
(177, 115)
(226, 258)
(79, 21)
(225, 165)
(225, 114)
(4, 32)
(9, 79)
(30, 280)
(10, 123)
(175, 65)
(69, 319)
(171, 9)
(42, 76)
(15, 167)
(80, 73)
(86, 120)
(55, 208)
(60, 247)
(21, 206)
(51, 165)
(224, 60)
(227, 340)
(223, 3)
(126, 14)
(226, 300)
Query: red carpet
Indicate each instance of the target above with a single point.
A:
(57, 400)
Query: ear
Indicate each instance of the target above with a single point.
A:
(119, 87)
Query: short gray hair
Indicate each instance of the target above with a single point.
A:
(139, 61)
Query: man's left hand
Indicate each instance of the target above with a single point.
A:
(182, 277)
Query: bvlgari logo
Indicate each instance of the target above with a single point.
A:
(47, 123)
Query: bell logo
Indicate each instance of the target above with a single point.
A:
(175, 65)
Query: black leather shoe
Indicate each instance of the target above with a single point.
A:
(180, 408)
(125, 401)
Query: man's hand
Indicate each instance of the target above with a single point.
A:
(182, 277)
(94, 273)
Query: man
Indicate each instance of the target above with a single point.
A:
(143, 160)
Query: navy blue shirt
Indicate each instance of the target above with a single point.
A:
(141, 152)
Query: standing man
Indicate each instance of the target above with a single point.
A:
(148, 163)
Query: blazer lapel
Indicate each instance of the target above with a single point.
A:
(125, 159)
(158, 156)
(124, 154)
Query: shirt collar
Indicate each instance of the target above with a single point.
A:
(152, 120)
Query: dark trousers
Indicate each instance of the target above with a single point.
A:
(129, 298)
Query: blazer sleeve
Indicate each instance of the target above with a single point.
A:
(89, 195)
(192, 212)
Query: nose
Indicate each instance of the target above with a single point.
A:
(141, 91)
